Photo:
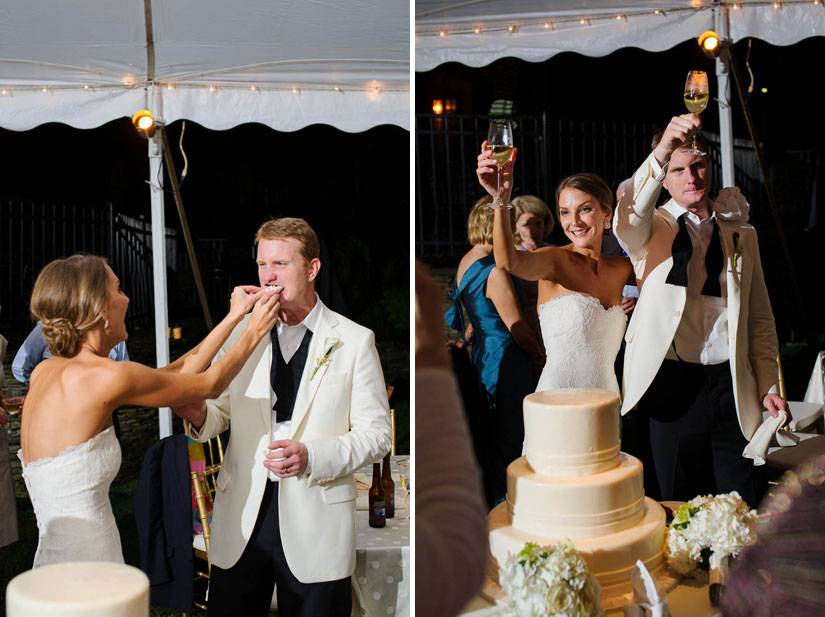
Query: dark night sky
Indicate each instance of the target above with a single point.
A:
(353, 188)
(634, 84)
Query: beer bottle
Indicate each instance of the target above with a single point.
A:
(389, 488)
(377, 515)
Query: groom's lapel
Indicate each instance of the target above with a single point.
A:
(257, 389)
(311, 379)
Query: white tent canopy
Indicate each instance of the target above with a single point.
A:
(478, 32)
(314, 61)
(283, 63)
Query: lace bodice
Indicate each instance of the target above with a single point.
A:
(70, 496)
(582, 339)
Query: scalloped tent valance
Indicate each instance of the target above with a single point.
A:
(478, 32)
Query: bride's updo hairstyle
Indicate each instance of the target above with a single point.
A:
(68, 297)
(591, 184)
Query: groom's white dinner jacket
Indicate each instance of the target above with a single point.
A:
(341, 410)
(646, 233)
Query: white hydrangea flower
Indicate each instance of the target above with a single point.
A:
(723, 524)
(550, 581)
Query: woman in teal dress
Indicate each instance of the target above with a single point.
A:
(505, 353)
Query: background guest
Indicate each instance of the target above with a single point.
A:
(450, 526)
(8, 506)
(505, 352)
(534, 222)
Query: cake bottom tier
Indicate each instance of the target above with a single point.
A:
(610, 558)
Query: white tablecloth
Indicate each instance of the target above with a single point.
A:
(381, 581)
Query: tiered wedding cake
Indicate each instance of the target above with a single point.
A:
(575, 483)
(79, 589)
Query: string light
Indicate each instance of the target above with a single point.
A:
(211, 88)
(85, 86)
(252, 87)
(4, 91)
(513, 28)
(656, 12)
(376, 89)
(442, 33)
(477, 29)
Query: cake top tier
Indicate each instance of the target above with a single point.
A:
(91, 589)
(572, 432)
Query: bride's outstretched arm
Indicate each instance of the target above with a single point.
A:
(523, 264)
(199, 357)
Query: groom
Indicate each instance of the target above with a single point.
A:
(308, 409)
(700, 360)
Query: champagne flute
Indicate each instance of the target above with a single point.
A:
(500, 145)
(696, 99)
(13, 403)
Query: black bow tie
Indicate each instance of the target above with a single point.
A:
(682, 250)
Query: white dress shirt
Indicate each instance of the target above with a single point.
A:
(289, 339)
(702, 335)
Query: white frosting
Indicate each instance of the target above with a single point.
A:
(610, 558)
(572, 432)
(576, 507)
(79, 589)
(574, 483)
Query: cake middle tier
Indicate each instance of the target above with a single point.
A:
(576, 507)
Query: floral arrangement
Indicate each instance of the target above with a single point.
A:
(712, 527)
(545, 581)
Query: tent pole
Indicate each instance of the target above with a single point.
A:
(725, 123)
(196, 271)
(159, 272)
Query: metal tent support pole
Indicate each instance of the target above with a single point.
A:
(159, 272)
(190, 248)
(725, 122)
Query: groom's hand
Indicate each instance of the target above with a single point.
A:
(286, 458)
(774, 403)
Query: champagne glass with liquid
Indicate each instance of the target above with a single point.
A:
(500, 144)
(696, 99)
(13, 398)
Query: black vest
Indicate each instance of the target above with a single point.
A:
(285, 378)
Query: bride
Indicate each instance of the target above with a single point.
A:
(579, 288)
(68, 447)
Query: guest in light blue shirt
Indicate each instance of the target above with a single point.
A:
(34, 350)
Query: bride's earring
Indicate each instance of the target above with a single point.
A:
(105, 322)
(607, 224)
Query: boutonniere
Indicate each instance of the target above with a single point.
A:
(329, 345)
(737, 248)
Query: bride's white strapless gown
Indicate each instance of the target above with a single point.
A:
(582, 339)
(70, 496)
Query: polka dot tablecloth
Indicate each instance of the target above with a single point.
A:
(381, 581)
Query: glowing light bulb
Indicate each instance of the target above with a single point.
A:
(442, 33)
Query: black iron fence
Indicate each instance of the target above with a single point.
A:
(549, 149)
(33, 234)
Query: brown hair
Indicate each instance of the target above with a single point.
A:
(69, 296)
(591, 184)
(535, 206)
(290, 227)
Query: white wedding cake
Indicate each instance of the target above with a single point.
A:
(79, 589)
(575, 483)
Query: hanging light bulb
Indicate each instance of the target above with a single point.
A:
(144, 122)
(709, 41)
